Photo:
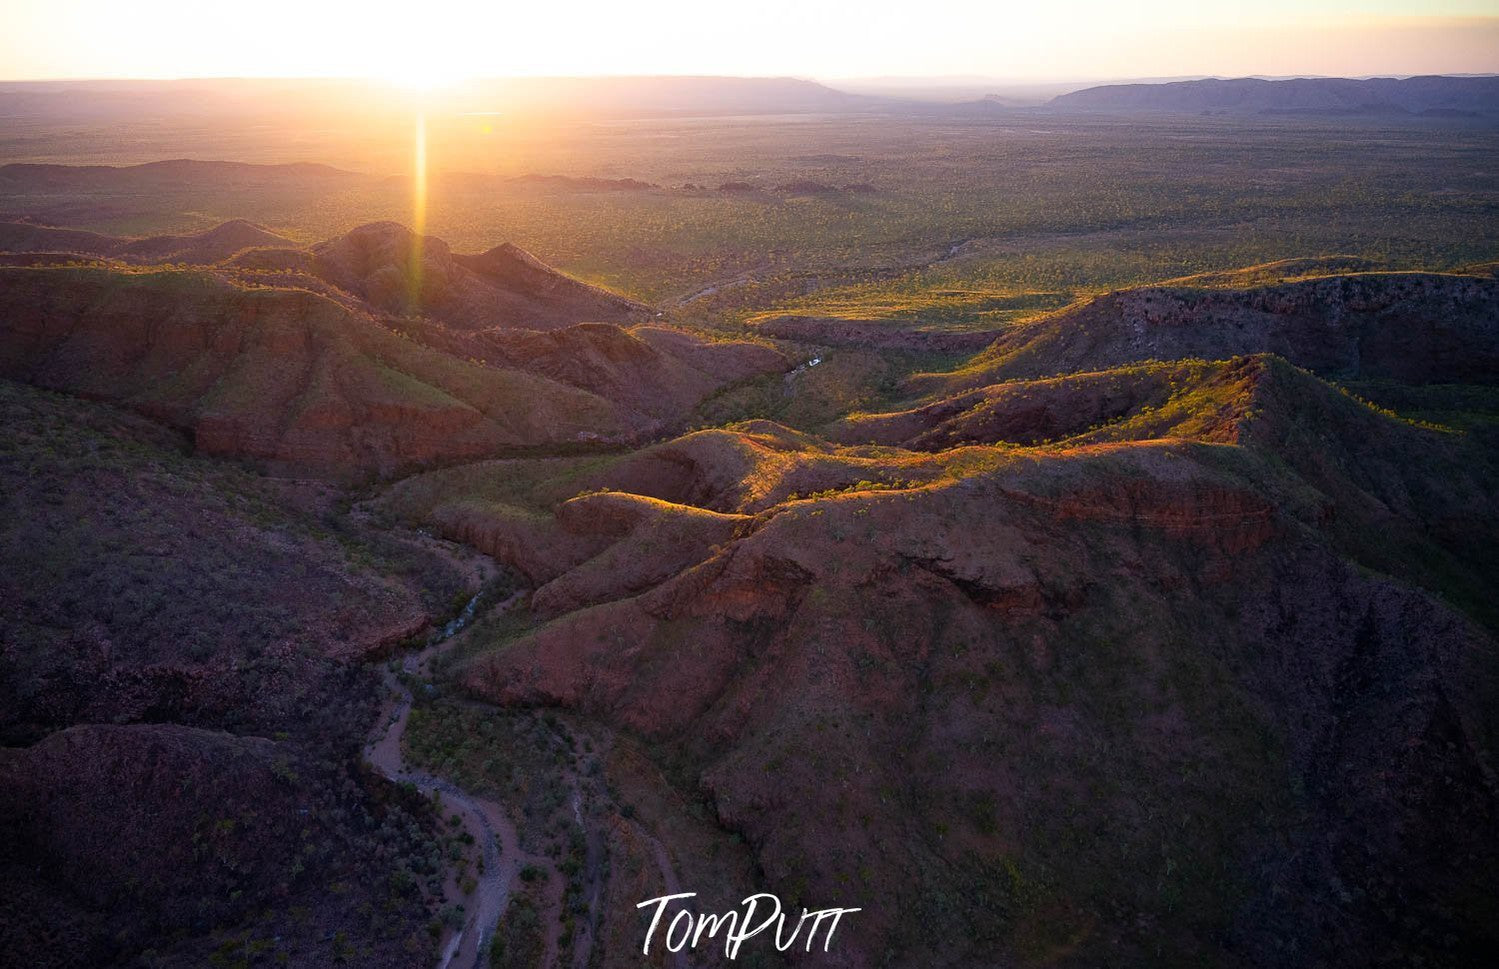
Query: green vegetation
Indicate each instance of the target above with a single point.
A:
(519, 940)
(532, 763)
(970, 222)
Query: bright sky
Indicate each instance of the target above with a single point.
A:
(431, 40)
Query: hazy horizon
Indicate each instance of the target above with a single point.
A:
(912, 80)
(1084, 40)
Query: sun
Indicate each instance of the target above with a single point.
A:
(423, 76)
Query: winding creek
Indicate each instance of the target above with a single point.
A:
(484, 819)
(493, 831)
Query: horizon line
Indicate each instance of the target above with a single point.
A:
(951, 80)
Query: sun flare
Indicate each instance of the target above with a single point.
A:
(423, 76)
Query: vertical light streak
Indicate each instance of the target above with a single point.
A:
(418, 214)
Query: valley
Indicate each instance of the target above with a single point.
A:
(1068, 538)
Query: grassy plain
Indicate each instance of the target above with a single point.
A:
(957, 223)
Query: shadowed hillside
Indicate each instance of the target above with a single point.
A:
(288, 368)
(182, 697)
(201, 248)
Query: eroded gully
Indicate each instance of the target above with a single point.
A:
(484, 819)
(491, 828)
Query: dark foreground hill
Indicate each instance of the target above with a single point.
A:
(1476, 97)
(182, 701)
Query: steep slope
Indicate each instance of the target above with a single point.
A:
(1414, 327)
(513, 510)
(650, 370)
(1125, 403)
(382, 264)
(169, 585)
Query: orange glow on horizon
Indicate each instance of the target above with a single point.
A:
(418, 211)
(447, 40)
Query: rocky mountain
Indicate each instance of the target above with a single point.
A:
(1189, 660)
(1138, 638)
(290, 357)
(397, 272)
(384, 265)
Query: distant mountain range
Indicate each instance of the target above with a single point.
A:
(289, 100)
(1455, 96)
